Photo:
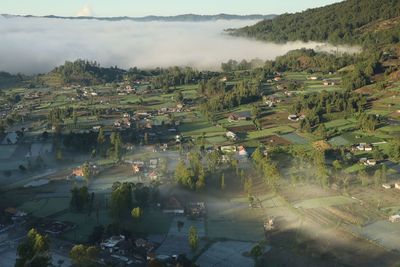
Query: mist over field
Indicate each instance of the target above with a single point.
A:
(36, 45)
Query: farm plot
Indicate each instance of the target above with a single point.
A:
(353, 138)
(382, 232)
(152, 222)
(235, 220)
(274, 119)
(340, 124)
(323, 202)
(176, 241)
(229, 254)
(85, 224)
(200, 127)
(242, 129)
(284, 129)
(338, 141)
(6, 151)
(274, 140)
(295, 139)
(391, 129)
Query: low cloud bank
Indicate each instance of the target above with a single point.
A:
(36, 45)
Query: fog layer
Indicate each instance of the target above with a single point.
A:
(36, 45)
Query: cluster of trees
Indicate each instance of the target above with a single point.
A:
(34, 251)
(324, 104)
(309, 60)
(362, 72)
(200, 171)
(81, 199)
(193, 238)
(268, 168)
(115, 150)
(219, 97)
(176, 76)
(130, 199)
(58, 115)
(394, 150)
(8, 80)
(233, 65)
(83, 142)
(337, 23)
(84, 256)
(368, 122)
(194, 176)
(97, 143)
(85, 72)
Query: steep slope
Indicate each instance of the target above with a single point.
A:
(336, 23)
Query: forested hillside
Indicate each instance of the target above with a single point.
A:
(343, 22)
(87, 73)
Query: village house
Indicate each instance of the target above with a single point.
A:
(312, 78)
(16, 215)
(112, 244)
(364, 147)
(197, 209)
(137, 167)
(153, 176)
(397, 185)
(228, 149)
(288, 93)
(239, 116)
(173, 206)
(387, 186)
(242, 151)
(225, 159)
(153, 163)
(293, 117)
(370, 162)
(231, 135)
(78, 172)
(394, 218)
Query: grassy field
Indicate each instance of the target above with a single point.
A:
(235, 220)
(45, 207)
(270, 131)
(152, 222)
(382, 232)
(85, 224)
(197, 128)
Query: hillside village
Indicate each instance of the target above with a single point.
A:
(291, 162)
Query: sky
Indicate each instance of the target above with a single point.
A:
(107, 8)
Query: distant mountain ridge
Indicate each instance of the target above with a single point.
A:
(183, 18)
